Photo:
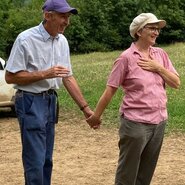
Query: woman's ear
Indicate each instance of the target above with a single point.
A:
(138, 33)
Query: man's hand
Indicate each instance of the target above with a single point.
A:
(55, 72)
(88, 113)
(94, 122)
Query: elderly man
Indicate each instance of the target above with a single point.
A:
(38, 64)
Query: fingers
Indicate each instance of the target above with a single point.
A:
(93, 122)
(91, 119)
(87, 112)
(96, 127)
(149, 64)
(61, 71)
(143, 59)
(56, 71)
(145, 64)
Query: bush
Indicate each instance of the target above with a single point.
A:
(101, 25)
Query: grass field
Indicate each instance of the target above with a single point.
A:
(91, 71)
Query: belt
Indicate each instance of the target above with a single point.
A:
(43, 93)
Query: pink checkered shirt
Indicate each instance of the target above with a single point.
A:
(144, 92)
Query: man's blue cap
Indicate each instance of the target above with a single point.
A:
(59, 6)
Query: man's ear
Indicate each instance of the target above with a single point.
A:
(47, 15)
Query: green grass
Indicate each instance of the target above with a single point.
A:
(91, 71)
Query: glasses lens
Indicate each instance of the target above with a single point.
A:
(153, 29)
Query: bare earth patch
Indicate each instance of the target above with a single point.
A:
(83, 156)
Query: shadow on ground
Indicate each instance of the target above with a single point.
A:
(6, 112)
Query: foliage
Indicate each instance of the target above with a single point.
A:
(101, 25)
(18, 19)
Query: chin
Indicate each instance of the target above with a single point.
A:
(152, 42)
(60, 32)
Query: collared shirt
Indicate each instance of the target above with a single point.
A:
(145, 96)
(35, 50)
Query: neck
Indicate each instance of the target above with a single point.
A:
(144, 49)
(49, 30)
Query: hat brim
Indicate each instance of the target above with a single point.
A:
(74, 11)
(66, 10)
(63, 10)
(161, 23)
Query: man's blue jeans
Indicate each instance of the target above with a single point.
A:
(37, 116)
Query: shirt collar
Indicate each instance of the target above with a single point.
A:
(135, 50)
(46, 36)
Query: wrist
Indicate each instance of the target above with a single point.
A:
(160, 69)
(83, 107)
(97, 117)
(42, 75)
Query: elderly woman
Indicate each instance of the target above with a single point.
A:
(143, 72)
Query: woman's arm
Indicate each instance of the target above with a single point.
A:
(101, 105)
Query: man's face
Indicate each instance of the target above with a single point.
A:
(57, 22)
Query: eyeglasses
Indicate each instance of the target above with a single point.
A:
(153, 29)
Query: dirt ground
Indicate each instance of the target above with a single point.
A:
(83, 156)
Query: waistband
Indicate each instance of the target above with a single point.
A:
(43, 93)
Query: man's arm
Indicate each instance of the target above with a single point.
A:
(74, 90)
(25, 77)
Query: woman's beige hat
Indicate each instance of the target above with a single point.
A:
(141, 20)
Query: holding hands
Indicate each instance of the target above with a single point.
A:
(93, 121)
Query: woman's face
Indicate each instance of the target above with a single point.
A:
(149, 33)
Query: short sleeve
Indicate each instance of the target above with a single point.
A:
(17, 58)
(118, 73)
(167, 62)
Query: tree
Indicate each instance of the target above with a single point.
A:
(17, 20)
(101, 25)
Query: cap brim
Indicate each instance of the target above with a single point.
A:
(74, 11)
(62, 10)
(67, 9)
(161, 23)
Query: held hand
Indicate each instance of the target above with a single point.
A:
(149, 64)
(87, 112)
(94, 122)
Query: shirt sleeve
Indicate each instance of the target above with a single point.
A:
(118, 73)
(168, 64)
(17, 59)
(66, 60)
